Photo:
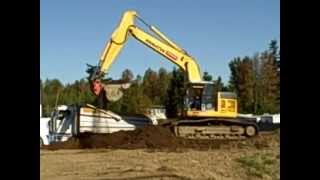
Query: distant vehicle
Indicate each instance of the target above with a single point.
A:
(270, 118)
(269, 122)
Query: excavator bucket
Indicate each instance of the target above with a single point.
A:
(113, 91)
(96, 87)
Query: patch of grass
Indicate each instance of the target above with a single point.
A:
(260, 165)
(244, 144)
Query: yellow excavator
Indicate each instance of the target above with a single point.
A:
(201, 117)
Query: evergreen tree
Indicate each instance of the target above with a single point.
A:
(150, 85)
(274, 51)
(256, 80)
(51, 92)
(257, 108)
(233, 81)
(273, 48)
(242, 82)
(217, 87)
(219, 84)
(127, 75)
(207, 76)
(175, 93)
(139, 79)
(163, 84)
(269, 84)
(133, 102)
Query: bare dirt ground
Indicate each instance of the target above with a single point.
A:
(256, 158)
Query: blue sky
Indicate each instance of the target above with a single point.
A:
(74, 32)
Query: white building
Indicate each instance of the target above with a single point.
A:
(158, 112)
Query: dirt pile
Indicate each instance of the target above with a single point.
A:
(149, 137)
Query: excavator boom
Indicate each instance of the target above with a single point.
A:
(162, 45)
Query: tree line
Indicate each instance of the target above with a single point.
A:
(255, 79)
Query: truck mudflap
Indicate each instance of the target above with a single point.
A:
(220, 128)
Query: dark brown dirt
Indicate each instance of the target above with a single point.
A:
(153, 137)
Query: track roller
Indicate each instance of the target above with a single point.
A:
(250, 131)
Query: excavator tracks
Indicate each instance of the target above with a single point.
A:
(215, 128)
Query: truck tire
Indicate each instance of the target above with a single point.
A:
(41, 142)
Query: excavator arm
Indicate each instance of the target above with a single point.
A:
(159, 43)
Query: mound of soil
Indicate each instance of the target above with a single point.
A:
(149, 137)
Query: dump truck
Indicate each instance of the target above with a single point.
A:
(72, 120)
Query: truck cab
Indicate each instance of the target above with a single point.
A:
(60, 125)
(44, 131)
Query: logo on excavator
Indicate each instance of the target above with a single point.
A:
(155, 46)
(171, 55)
(162, 51)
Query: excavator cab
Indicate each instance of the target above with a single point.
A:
(199, 96)
(200, 101)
